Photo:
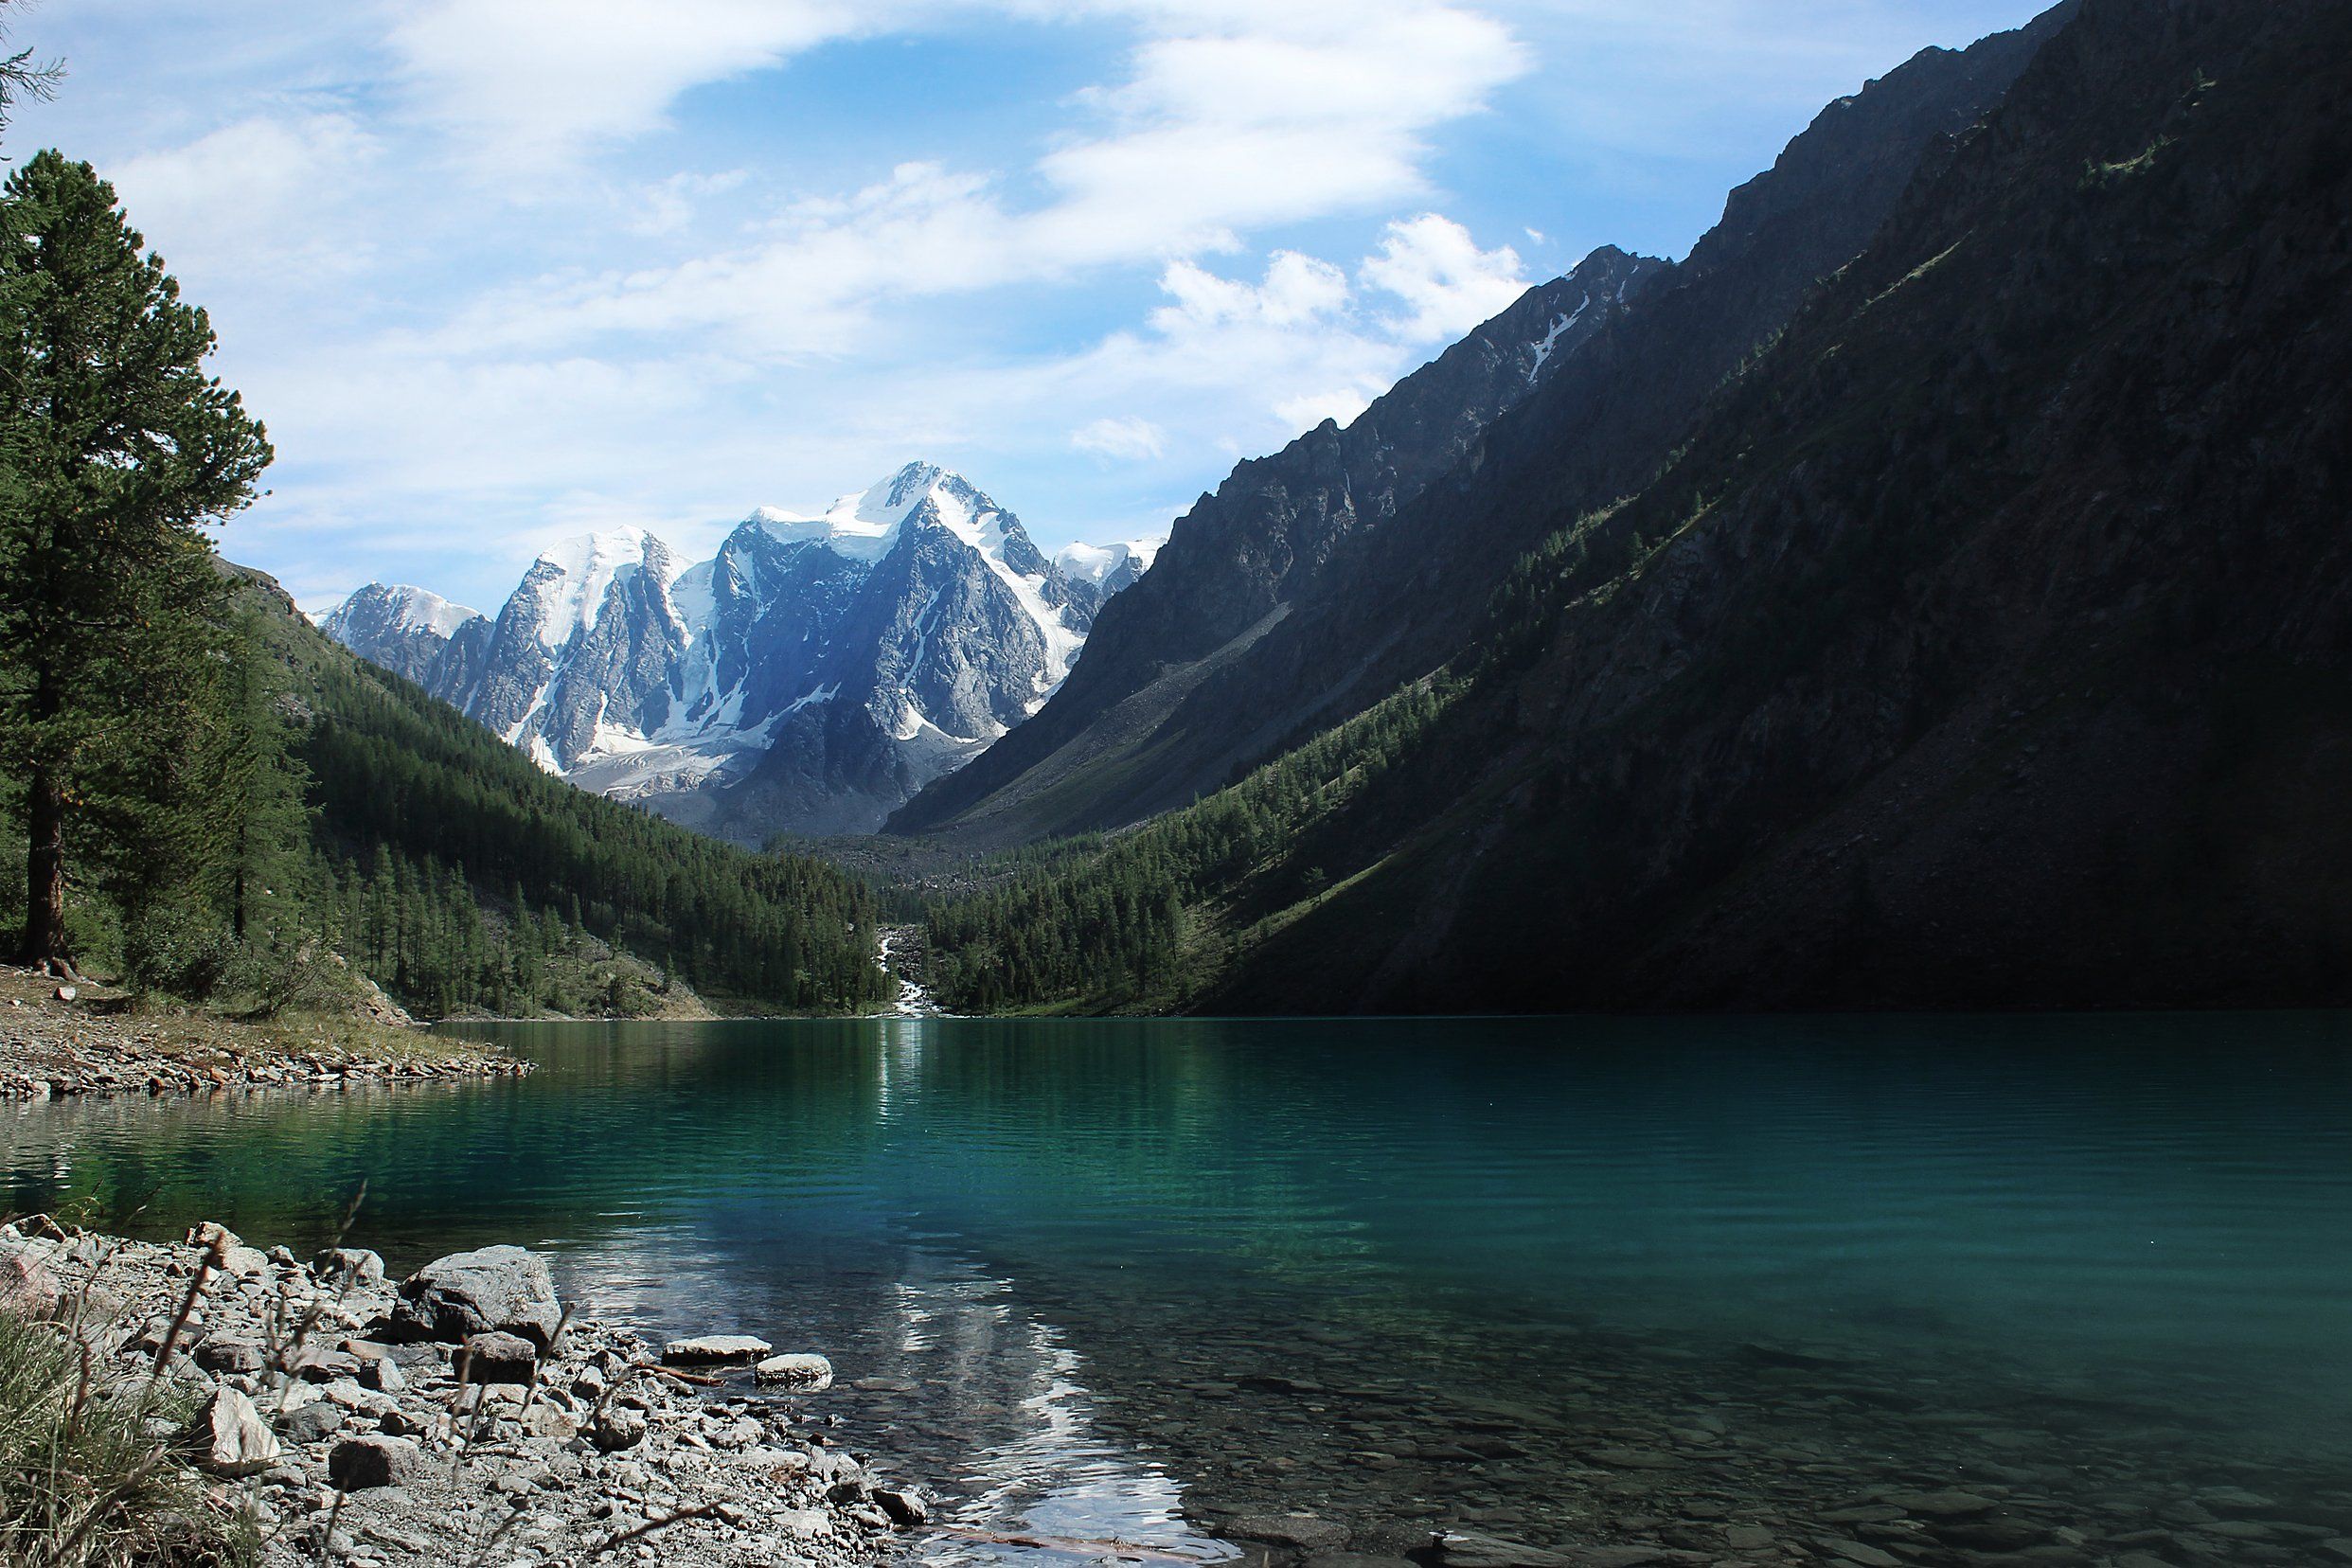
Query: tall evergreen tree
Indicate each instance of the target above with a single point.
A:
(115, 448)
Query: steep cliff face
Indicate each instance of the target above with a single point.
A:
(808, 678)
(1246, 556)
(1220, 658)
(1991, 642)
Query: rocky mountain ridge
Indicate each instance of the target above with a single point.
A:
(1986, 644)
(1222, 660)
(1268, 539)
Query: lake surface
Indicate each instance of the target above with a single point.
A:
(1574, 1280)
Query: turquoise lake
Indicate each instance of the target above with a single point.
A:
(1560, 1280)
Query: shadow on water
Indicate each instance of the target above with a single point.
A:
(1551, 1279)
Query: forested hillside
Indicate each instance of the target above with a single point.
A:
(415, 802)
(1151, 919)
(361, 821)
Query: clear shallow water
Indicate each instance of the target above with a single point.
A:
(1560, 1280)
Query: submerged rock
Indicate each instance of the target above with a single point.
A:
(1303, 1531)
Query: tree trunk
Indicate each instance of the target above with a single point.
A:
(44, 872)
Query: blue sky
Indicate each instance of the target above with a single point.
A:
(496, 272)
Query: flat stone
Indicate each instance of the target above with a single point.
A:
(1471, 1549)
(360, 1463)
(703, 1350)
(1747, 1538)
(320, 1366)
(1630, 1459)
(501, 1290)
(1869, 1557)
(312, 1423)
(2001, 1534)
(1303, 1532)
(230, 1355)
(795, 1371)
(497, 1358)
(230, 1437)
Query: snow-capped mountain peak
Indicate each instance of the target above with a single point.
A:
(572, 580)
(811, 676)
(397, 606)
(864, 526)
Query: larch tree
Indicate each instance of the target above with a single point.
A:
(115, 450)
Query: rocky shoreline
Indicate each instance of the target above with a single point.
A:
(460, 1414)
(58, 1040)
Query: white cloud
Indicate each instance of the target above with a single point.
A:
(670, 207)
(1447, 283)
(1298, 289)
(1130, 438)
(271, 194)
(1238, 119)
(521, 87)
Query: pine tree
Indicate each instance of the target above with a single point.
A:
(115, 450)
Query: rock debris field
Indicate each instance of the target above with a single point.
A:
(460, 1414)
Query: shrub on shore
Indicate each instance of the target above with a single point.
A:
(88, 1478)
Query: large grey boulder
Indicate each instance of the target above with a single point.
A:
(491, 1290)
(229, 1438)
(359, 1463)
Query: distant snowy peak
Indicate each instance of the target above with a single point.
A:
(1108, 567)
(411, 631)
(396, 609)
